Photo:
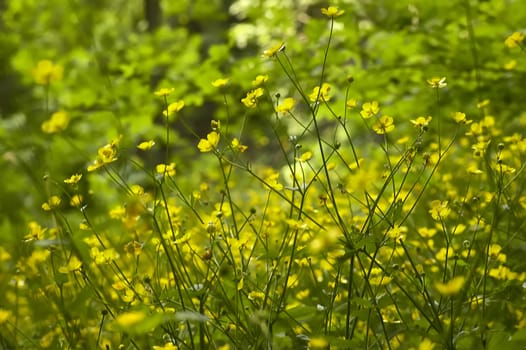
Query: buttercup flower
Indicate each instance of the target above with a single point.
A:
(73, 179)
(460, 118)
(250, 100)
(260, 79)
(332, 12)
(47, 72)
(52, 203)
(211, 142)
(437, 82)
(164, 92)
(165, 169)
(237, 146)
(58, 122)
(383, 125)
(451, 287)
(218, 83)
(273, 51)
(421, 122)
(146, 145)
(173, 108)
(322, 94)
(286, 105)
(369, 109)
(514, 40)
(351, 103)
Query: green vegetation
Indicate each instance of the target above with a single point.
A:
(262, 175)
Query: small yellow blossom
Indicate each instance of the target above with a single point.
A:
(76, 200)
(369, 109)
(74, 264)
(439, 209)
(273, 51)
(256, 295)
(426, 344)
(320, 94)
(260, 79)
(173, 108)
(286, 105)
(510, 65)
(332, 12)
(351, 103)
(167, 346)
(318, 343)
(437, 82)
(58, 122)
(105, 155)
(383, 125)
(451, 287)
(421, 122)
(237, 146)
(73, 179)
(305, 157)
(210, 143)
(514, 40)
(129, 319)
(36, 232)
(47, 72)
(162, 92)
(250, 100)
(460, 118)
(146, 145)
(163, 169)
(4, 315)
(52, 203)
(219, 83)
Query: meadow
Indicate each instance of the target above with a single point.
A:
(263, 175)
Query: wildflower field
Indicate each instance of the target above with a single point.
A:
(263, 174)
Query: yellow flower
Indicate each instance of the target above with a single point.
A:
(451, 287)
(167, 346)
(73, 179)
(106, 154)
(250, 100)
(52, 203)
(73, 264)
(237, 146)
(173, 108)
(146, 145)
(286, 105)
(273, 51)
(460, 118)
(58, 122)
(437, 82)
(163, 169)
(426, 344)
(332, 11)
(322, 93)
(76, 201)
(351, 103)
(211, 142)
(439, 210)
(36, 232)
(131, 318)
(369, 109)
(260, 79)
(4, 315)
(162, 92)
(421, 122)
(219, 83)
(47, 72)
(384, 125)
(305, 157)
(514, 40)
